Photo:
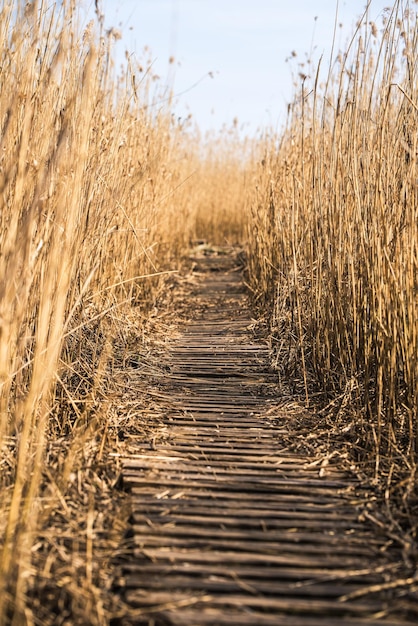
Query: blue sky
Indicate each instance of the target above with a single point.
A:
(230, 55)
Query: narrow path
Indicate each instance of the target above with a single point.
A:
(229, 525)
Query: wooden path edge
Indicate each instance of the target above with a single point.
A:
(230, 525)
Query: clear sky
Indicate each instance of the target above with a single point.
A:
(230, 55)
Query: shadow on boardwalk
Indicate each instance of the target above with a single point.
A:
(231, 524)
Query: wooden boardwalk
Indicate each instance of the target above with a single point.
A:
(229, 525)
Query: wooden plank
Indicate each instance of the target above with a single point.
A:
(258, 351)
(206, 616)
(289, 499)
(190, 507)
(301, 576)
(227, 429)
(265, 510)
(292, 605)
(228, 422)
(234, 401)
(246, 384)
(254, 479)
(232, 464)
(230, 527)
(228, 584)
(226, 476)
(215, 410)
(289, 462)
(294, 467)
(231, 434)
(135, 483)
(245, 522)
(196, 540)
(220, 450)
(315, 541)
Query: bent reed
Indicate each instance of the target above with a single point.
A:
(102, 193)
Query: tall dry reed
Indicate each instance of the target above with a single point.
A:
(334, 242)
(101, 194)
(100, 191)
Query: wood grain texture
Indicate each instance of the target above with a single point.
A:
(229, 525)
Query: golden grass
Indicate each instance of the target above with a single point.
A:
(101, 195)
(97, 206)
(333, 245)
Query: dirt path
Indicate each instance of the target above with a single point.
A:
(230, 526)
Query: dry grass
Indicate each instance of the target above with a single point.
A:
(98, 205)
(101, 195)
(333, 246)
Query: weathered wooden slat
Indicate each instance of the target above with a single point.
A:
(245, 522)
(228, 584)
(217, 409)
(191, 507)
(226, 474)
(227, 423)
(229, 526)
(136, 482)
(207, 492)
(291, 462)
(301, 576)
(253, 353)
(312, 542)
(195, 360)
(194, 542)
(269, 511)
(234, 463)
(216, 468)
(213, 617)
(268, 451)
(240, 479)
(303, 605)
(248, 434)
(224, 428)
